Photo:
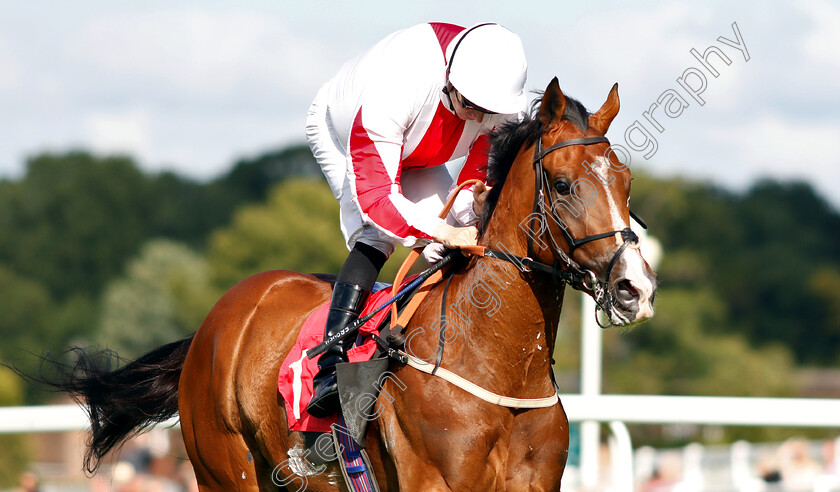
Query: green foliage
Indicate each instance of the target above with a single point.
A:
(675, 353)
(73, 220)
(187, 211)
(824, 286)
(297, 229)
(24, 312)
(71, 322)
(23, 308)
(14, 453)
(760, 252)
(163, 296)
(11, 390)
(253, 178)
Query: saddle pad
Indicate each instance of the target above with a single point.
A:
(297, 370)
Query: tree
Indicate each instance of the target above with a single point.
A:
(758, 250)
(163, 296)
(676, 353)
(73, 220)
(24, 305)
(14, 454)
(824, 286)
(297, 229)
(252, 179)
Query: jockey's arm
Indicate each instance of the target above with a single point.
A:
(375, 152)
(468, 204)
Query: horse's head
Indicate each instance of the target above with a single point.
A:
(583, 197)
(571, 197)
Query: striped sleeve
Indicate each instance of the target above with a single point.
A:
(475, 167)
(375, 153)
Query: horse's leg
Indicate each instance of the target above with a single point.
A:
(267, 338)
(539, 446)
(407, 465)
(218, 453)
(220, 458)
(227, 397)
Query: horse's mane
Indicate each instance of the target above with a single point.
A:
(506, 142)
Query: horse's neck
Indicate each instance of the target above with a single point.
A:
(505, 328)
(508, 318)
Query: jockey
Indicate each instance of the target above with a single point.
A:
(381, 129)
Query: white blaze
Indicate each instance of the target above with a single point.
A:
(634, 264)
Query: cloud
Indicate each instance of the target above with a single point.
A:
(637, 45)
(9, 71)
(210, 52)
(821, 43)
(126, 132)
(771, 145)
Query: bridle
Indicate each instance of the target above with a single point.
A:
(576, 276)
(565, 268)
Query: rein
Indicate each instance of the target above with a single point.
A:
(399, 321)
(565, 269)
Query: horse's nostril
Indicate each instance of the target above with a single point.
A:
(625, 292)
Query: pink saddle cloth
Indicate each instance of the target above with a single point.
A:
(298, 370)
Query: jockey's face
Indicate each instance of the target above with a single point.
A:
(463, 108)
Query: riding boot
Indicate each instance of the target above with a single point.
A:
(347, 302)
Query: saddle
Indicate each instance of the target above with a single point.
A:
(361, 379)
(298, 370)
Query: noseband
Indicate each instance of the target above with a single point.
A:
(565, 268)
(578, 277)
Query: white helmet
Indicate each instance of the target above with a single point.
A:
(488, 67)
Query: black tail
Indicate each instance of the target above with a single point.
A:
(124, 402)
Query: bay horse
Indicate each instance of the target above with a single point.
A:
(558, 213)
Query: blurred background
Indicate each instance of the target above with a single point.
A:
(152, 154)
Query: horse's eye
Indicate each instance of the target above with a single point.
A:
(562, 187)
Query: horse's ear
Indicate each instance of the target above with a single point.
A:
(553, 103)
(603, 117)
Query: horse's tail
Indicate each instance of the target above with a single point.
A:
(124, 402)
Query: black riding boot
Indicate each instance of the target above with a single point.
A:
(347, 302)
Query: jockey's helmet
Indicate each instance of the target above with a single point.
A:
(488, 67)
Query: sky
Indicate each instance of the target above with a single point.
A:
(191, 86)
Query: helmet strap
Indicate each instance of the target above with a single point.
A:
(447, 91)
(452, 56)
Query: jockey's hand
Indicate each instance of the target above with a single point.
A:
(455, 237)
(480, 192)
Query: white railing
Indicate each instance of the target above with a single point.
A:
(47, 418)
(616, 410)
(709, 410)
(629, 409)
